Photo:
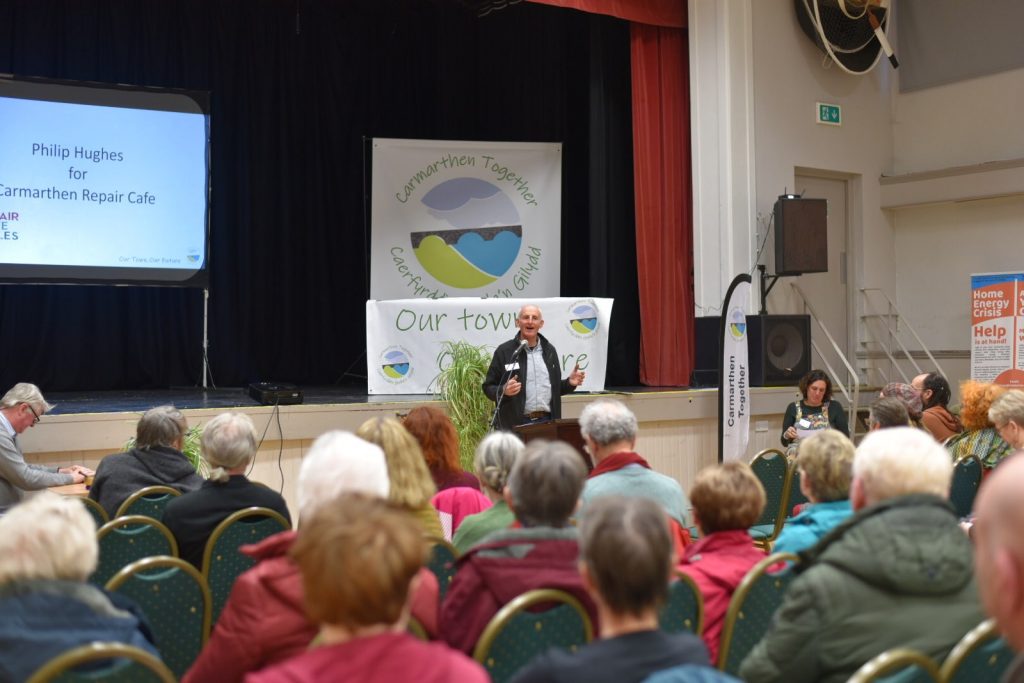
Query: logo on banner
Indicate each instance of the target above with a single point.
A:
(395, 366)
(485, 239)
(737, 323)
(582, 319)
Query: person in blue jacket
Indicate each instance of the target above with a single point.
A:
(825, 460)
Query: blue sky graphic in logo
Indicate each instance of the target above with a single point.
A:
(737, 324)
(484, 240)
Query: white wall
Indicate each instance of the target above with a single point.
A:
(971, 122)
(921, 256)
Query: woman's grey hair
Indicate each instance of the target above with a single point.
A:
(160, 426)
(228, 442)
(607, 421)
(545, 483)
(337, 463)
(23, 392)
(495, 457)
(47, 537)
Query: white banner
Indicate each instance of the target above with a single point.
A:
(734, 391)
(457, 219)
(997, 328)
(404, 337)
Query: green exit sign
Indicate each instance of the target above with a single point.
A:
(829, 114)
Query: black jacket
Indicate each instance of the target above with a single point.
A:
(512, 407)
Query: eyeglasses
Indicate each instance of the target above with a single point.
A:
(34, 414)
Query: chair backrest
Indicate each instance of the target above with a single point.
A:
(771, 468)
(964, 487)
(794, 495)
(222, 562)
(441, 563)
(899, 665)
(751, 608)
(99, 515)
(149, 501)
(415, 628)
(515, 635)
(176, 601)
(684, 609)
(124, 540)
(981, 655)
(125, 664)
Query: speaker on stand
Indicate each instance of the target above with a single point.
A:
(780, 349)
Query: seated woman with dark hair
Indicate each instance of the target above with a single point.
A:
(816, 410)
(359, 558)
(826, 470)
(727, 499)
(47, 550)
(436, 434)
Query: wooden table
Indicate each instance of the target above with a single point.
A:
(80, 490)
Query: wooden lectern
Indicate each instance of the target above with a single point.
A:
(564, 429)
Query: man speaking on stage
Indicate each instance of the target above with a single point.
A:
(523, 373)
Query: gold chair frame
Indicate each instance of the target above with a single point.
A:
(143, 492)
(520, 604)
(892, 660)
(99, 651)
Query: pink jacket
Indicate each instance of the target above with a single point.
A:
(455, 504)
(717, 563)
(264, 621)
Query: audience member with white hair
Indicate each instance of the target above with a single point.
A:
(898, 573)
(20, 409)
(609, 431)
(1007, 414)
(494, 458)
(998, 534)
(264, 621)
(155, 460)
(228, 444)
(47, 551)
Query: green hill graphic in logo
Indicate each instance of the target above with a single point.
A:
(484, 239)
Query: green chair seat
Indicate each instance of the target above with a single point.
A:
(516, 635)
(222, 561)
(176, 601)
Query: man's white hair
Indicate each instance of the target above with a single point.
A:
(47, 537)
(900, 461)
(340, 462)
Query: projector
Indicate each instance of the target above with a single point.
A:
(275, 393)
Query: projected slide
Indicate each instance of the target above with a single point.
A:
(101, 184)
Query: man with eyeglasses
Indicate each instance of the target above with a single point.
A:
(21, 408)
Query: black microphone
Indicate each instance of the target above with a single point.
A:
(522, 345)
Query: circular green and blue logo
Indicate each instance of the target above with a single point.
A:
(484, 240)
(395, 364)
(583, 318)
(737, 323)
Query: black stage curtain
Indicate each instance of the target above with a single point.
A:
(296, 88)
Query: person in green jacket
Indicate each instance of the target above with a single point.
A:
(493, 461)
(898, 573)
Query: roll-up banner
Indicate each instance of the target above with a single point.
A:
(405, 337)
(734, 371)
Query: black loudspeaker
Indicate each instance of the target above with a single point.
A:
(801, 235)
(779, 348)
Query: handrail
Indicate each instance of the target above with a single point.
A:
(855, 400)
(864, 291)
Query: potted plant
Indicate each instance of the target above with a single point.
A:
(460, 385)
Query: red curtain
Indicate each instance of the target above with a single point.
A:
(664, 203)
(653, 12)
